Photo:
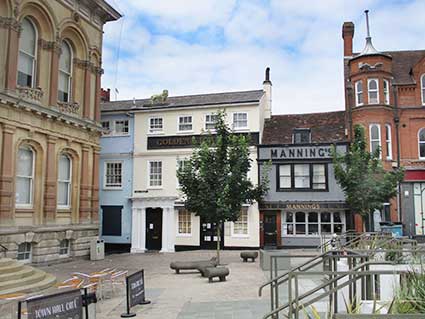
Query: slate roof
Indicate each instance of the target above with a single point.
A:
(328, 127)
(253, 96)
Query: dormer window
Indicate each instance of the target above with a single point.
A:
(423, 88)
(359, 93)
(373, 91)
(301, 136)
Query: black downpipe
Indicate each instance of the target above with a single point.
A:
(397, 132)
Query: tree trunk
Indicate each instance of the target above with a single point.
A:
(218, 242)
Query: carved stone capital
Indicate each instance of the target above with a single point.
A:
(82, 64)
(10, 23)
(54, 46)
(35, 94)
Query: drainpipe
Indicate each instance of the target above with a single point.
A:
(397, 134)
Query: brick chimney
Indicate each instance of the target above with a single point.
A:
(105, 95)
(347, 35)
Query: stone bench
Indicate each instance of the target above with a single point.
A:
(220, 272)
(245, 255)
(199, 265)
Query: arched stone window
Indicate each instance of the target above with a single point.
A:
(423, 88)
(421, 143)
(64, 181)
(65, 73)
(25, 176)
(27, 54)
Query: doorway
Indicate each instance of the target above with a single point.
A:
(153, 228)
(270, 230)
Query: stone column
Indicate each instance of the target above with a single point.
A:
(85, 187)
(6, 176)
(138, 230)
(87, 91)
(168, 229)
(95, 187)
(50, 185)
(54, 72)
(12, 54)
(97, 96)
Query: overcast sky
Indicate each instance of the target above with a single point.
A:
(206, 46)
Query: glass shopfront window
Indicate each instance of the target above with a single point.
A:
(313, 223)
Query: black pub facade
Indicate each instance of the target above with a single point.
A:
(304, 202)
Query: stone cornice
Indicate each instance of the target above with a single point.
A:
(10, 23)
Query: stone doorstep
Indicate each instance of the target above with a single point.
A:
(25, 271)
(35, 277)
(47, 282)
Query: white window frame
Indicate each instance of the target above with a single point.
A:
(306, 223)
(370, 91)
(177, 168)
(423, 88)
(358, 103)
(155, 131)
(149, 175)
(244, 209)
(69, 75)
(419, 145)
(240, 127)
(109, 133)
(34, 58)
(30, 204)
(178, 124)
(388, 141)
(386, 92)
(210, 122)
(69, 198)
(178, 234)
(114, 131)
(379, 138)
(26, 260)
(105, 170)
(68, 248)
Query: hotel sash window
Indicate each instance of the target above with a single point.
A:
(24, 176)
(184, 222)
(375, 137)
(155, 125)
(24, 252)
(388, 141)
(64, 247)
(210, 121)
(386, 92)
(27, 54)
(373, 91)
(313, 223)
(65, 73)
(106, 126)
(155, 174)
(359, 93)
(240, 226)
(113, 175)
(121, 127)
(303, 177)
(300, 136)
(421, 143)
(185, 123)
(64, 181)
(240, 120)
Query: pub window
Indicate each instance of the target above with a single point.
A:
(113, 175)
(289, 224)
(155, 125)
(27, 54)
(375, 137)
(240, 226)
(388, 141)
(421, 143)
(155, 174)
(300, 223)
(285, 176)
(319, 176)
(210, 121)
(300, 136)
(359, 93)
(24, 252)
(185, 222)
(303, 177)
(373, 91)
(313, 223)
(338, 223)
(185, 123)
(325, 223)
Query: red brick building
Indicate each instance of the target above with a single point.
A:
(385, 92)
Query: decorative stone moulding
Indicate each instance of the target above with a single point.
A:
(69, 107)
(34, 94)
(10, 23)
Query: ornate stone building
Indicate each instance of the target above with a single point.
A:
(50, 70)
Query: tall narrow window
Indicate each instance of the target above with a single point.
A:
(302, 175)
(373, 91)
(181, 165)
(375, 137)
(388, 141)
(359, 93)
(113, 175)
(240, 226)
(24, 176)
(319, 176)
(386, 92)
(421, 138)
(24, 252)
(285, 176)
(185, 222)
(210, 121)
(423, 88)
(27, 54)
(106, 126)
(65, 73)
(155, 174)
(64, 181)
(240, 120)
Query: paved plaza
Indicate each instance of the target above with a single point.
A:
(183, 296)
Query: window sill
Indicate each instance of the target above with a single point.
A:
(116, 135)
(282, 190)
(154, 187)
(64, 209)
(184, 235)
(240, 236)
(185, 132)
(241, 129)
(112, 188)
(155, 133)
(24, 208)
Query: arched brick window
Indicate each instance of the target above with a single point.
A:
(27, 54)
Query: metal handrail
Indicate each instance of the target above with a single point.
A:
(342, 236)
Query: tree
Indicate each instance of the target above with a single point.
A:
(366, 184)
(215, 180)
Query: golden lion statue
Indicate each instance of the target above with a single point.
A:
(159, 98)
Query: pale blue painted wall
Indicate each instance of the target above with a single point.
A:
(118, 148)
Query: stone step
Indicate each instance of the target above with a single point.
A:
(25, 271)
(11, 267)
(6, 262)
(48, 281)
(37, 276)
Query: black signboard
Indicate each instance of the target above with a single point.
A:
(135, 292)
(64, 305)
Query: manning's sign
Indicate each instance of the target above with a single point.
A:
(299, 152)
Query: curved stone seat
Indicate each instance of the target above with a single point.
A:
(220, 272)
(199, 265)
(245, 255)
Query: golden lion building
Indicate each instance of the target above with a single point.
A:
(50, 69)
